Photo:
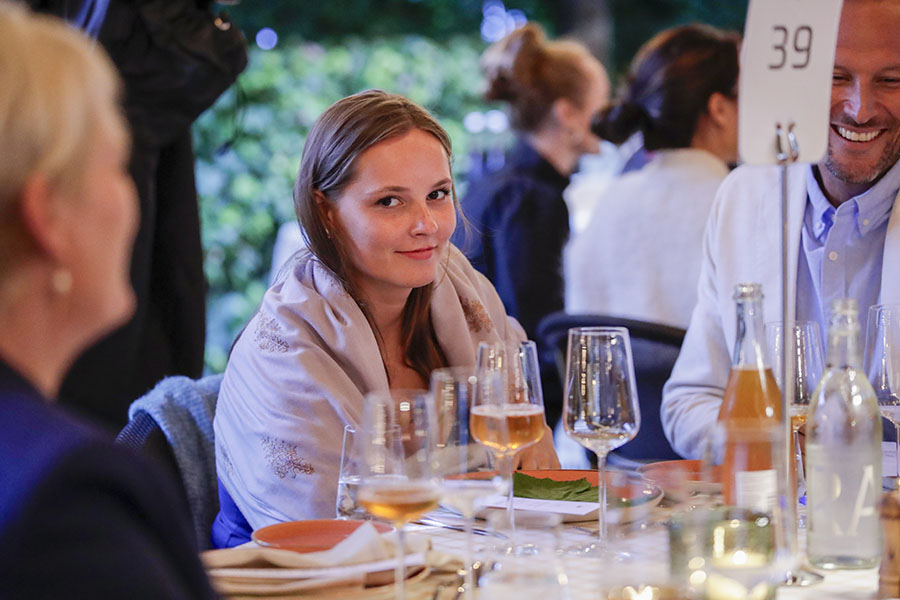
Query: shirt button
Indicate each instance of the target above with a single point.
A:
(832, 255)
(865, 221)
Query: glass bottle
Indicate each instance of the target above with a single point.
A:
(751, 398)
(843, 454)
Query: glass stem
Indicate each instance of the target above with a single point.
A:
(400, 567)
(601, 484)
(508, 461)
(798, 466)
(469, 593)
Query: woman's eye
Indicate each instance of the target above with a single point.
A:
(439, 194)
(388, 201)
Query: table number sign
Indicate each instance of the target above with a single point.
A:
(786, 69)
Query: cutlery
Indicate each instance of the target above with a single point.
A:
(430, 522)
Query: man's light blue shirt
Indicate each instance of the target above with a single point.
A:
(842, 249)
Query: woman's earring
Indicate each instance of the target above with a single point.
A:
(61, 281)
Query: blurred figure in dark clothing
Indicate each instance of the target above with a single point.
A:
(175, 58)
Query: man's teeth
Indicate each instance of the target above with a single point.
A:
(857, 137)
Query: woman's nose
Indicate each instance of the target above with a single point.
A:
(425, 223)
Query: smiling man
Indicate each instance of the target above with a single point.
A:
(844, 233)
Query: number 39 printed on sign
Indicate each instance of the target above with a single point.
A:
(786, 66)
(799, 43)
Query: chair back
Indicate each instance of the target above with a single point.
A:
(654, 347)
(173, 423)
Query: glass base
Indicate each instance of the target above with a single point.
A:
(829, 563)
(601, 552)
(802, 577)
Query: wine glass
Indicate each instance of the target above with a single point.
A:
(460, 460)
(397, 482)
(808, 368)
(882, 363)
(509, 413)
(745, 543)
(600, 406)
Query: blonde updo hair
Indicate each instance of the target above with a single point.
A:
(56, 90)
(530, 73)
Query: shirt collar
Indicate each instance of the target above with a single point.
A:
(871, 208)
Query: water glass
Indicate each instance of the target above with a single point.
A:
(346, 505)
(882, 363)
(535, 574)
(747, 542)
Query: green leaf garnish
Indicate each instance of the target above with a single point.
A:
(577, 490)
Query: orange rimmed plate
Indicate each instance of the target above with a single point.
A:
(681, 479)
(314, 535)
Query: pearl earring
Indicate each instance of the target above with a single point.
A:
(61, 281)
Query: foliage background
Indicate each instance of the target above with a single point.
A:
(249, 144)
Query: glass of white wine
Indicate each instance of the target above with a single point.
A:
(600, 405)
(467, 481)
(398, 482)
(508, 414)
(882, 363)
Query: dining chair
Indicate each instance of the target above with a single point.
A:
(173, 424)
(654, 348)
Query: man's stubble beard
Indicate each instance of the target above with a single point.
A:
(887, 160)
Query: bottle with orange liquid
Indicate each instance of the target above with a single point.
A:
(751, 400)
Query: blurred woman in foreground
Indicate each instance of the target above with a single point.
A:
(79, 517)
(380, 299)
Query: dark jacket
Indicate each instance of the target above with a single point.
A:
(81, 517)
(521, 225)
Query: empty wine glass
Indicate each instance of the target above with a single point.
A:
(397, 480)
(600, 406)
(882, 363)
(509, 415)
(808, 369)
(809, 366)
(461, 461)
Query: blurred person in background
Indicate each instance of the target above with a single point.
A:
(519, 220)
(639, 256)
(844, 237)
(79, 517)
(175, 58)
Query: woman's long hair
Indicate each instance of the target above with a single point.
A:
(339, 136)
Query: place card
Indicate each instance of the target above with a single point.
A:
(786, 72)
(562, 507)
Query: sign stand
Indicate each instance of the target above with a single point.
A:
(786, 72)
(787, 153)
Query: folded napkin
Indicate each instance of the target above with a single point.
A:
(364, 558)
